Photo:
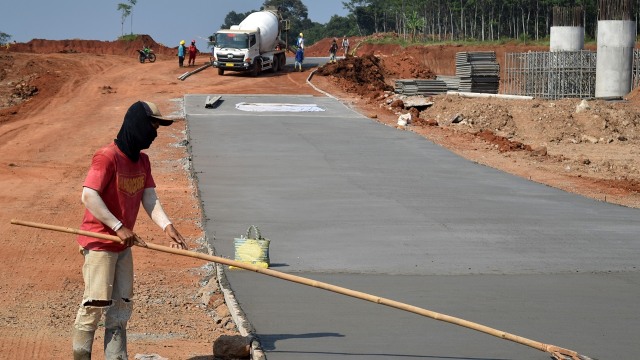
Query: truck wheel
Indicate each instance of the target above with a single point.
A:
(256, 68)
(220, 71)
(274, 64)
(283, 61)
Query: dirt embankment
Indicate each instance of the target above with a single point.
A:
(117, 47)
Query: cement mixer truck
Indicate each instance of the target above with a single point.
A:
(252, 46)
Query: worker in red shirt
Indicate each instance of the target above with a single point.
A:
(118, 182)
(193, 50)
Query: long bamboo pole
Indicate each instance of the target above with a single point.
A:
(556, 352)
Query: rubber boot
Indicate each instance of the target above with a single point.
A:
(115, 344)
(82, 342)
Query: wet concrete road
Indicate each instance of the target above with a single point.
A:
(364, 206)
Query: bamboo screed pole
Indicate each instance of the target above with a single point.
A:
(556, 352)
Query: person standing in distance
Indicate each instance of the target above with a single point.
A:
(300, 42)
(181, 51)
(332, 51)
(193, 50)
(297, 65)
(345, 45)
(118, 181)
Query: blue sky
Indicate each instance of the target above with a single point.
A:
(166, 21)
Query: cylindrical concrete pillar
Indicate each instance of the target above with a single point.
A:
(616, 40)
(567, 38)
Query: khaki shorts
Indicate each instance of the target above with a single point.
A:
(107, 275)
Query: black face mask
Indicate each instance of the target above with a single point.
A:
(137, 132)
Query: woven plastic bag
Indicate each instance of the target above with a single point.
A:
(252, 250)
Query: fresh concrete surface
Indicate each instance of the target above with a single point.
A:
(357, 204)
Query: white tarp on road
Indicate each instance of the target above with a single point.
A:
(277, 107)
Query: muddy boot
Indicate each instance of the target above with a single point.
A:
(115, 344)
(82, 343)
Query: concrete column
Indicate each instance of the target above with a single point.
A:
(567, 38)
(616, 40)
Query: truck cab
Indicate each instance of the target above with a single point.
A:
(235, 50)
(254, 45)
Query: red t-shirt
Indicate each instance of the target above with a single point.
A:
(121, 183)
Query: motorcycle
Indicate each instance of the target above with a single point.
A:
(144, 55)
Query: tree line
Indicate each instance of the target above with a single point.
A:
(445, 20)
(432, 20)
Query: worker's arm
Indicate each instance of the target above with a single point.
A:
(152, 206)
(96, 206)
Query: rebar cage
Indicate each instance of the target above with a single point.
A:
(551, 75)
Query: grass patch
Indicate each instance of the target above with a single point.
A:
(130, 37)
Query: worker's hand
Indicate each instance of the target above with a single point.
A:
(177, 241)
(128, 237)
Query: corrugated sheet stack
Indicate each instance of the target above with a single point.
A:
(453, 82)
(478, 71)
(411, 87)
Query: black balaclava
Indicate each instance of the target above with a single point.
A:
(137, 132)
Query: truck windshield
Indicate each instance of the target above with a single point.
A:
(237, 41)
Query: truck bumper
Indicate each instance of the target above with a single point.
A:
(232, 66)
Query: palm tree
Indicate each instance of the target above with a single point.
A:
(126, 11)
(132, 4)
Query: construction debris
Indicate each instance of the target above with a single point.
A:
(189, 73)
(149, 357)
(361, 74)
(212, 102)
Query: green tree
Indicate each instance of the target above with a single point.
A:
(4, 38)
(296, 13)
(414, 23)
(339, 26)
(234, 18)
(291, 9)
(132, 3)
(125, 10)
(443, 19)
(358, 12)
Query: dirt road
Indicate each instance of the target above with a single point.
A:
(47, 142)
